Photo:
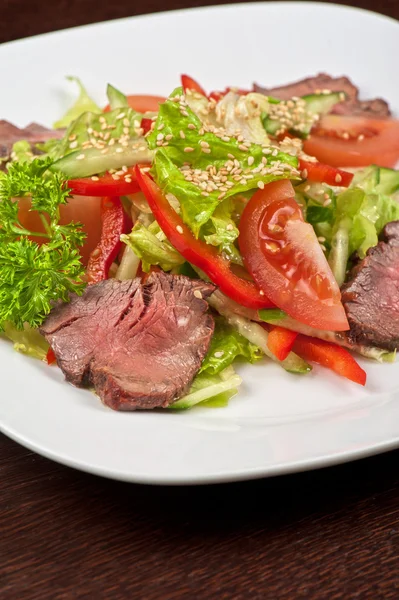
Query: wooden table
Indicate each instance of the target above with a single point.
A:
(330, 534)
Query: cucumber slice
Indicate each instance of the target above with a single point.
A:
(94, 161)
(115, 98)
(299, 122)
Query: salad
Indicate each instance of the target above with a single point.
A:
(148, 246)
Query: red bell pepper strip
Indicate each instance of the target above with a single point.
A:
(321, 173)
(50, 357)
(188, 83)
(146, 125)
(197, 252)
(114, 222)
(215, 95)
(280, 341)
(329, 355)
(106, 185)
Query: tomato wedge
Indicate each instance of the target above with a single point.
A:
(200, 254)
(115, 222)
(330, 355)
(321, 173)
(188, 83)
(142, 103)
(106, 185)
(280, 341)
(283, 255)
(343, 141)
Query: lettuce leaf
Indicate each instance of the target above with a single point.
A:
(188, 149)
(210, 390)
(361, 213)
(27, 340)
(83, 104)
(151, 245)
(227, 345)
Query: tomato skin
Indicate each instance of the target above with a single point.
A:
(85, 210)
(286, 260)
(380, 145)
(330, 355)
(142, 103)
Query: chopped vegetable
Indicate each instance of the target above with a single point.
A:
(27, 340)
(115, 222)
(331, 356)
(188, 83)
(121, 184)
(197, 252)
(83, 104)
(280, 341)
(152, 246)
(316, 171)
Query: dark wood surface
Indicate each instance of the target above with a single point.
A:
(330, 534)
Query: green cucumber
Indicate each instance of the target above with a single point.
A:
(94, 161)
(314, 104)
(389, 181)
(115, 98)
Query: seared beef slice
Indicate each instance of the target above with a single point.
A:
(371, 297)
(140, 346)
(311, 85)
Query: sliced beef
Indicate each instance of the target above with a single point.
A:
(139, 345)
(322, 81)
(33, 133)
(371, 297)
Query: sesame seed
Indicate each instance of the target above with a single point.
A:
(80, 157)
(218, 354)
(225, 138)
(307, 188)
(128, 179)
(111, 142)
(102, 120)
(338, 178)
(160, 136)
(360, 137)
(182, 134)
(251, 160)
(116, 177)
(221, 196)
(161, 126)
(191, 126)
(304, 174)
(188, 149)
(230, 227)
(345, 135)
(73, 136)
(120, 116)
(119, 150)
(321, 238)
(261, 185)
(326, 196)
(95, 178)
(327, 202)
(243, 148)
(168, 137)
(184, 113)
(197, 294)
(104, 151)
(204, 144)
(261, 292)
(204, 194)
(73, 145)
(179, 229)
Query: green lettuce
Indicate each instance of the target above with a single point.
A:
(361, 213)
(151, 245)
(83, 104)
(183, 142)
(27, 340)
(210, 390)
(227, 345)
(22, 151)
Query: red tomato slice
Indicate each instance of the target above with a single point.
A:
(188, 83)
(343, 141)
(283, 255)
(143, 104)
(85, 210)
(321, 173)
(106, 185)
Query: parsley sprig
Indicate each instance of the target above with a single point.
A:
(33, 276)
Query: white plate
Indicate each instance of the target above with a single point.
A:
(279, 423)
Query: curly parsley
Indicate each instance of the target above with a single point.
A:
(33, 276)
